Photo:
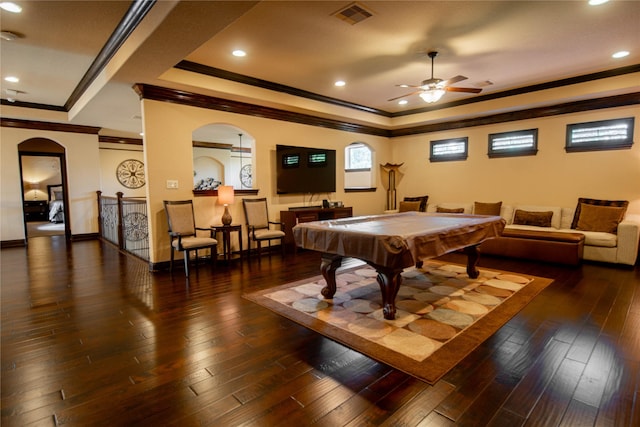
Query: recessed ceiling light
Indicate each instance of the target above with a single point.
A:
(8, 36)
(340, 83)
(597, 2)
(620, 54)
(239, 53)
(403, 102)
(12, 79)
(10, 7)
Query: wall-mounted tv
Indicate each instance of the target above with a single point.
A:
(305, 170)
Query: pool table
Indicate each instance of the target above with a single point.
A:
(391, 243)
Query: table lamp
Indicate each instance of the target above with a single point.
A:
(225, 197)
(35, 187)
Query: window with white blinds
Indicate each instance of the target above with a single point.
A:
(446, 150)
(601, 135)
(517, 143)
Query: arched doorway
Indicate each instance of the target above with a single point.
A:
(43, 174)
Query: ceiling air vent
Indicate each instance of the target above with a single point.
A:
(353, 13)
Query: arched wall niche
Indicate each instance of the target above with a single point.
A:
(223, 154)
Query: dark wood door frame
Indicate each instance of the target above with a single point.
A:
(46, 147)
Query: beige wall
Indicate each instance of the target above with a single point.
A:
(111, 155)
(168, 156)
(81, 151)
(552, 177)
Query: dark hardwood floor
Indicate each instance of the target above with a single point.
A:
(91, 338)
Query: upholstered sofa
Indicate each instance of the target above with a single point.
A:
(594, 230)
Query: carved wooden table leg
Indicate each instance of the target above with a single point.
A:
(472, 260)
(389, 281)
(330, 263)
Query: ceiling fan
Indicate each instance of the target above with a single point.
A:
(431, 90)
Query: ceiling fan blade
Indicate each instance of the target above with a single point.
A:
(405, 95)
(453, 80)
(406, 85)
(462, 89)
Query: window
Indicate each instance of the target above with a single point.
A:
(359, 175)
(358, 157)
(446, 150)
(601, 135)
(517, 143)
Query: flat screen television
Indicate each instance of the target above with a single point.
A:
(305, 170)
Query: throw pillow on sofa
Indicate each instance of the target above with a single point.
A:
(422, 199)
(538, 219)
(600, 218)
(447, 210)
(409, 206)
(480, 208)
(582, 200)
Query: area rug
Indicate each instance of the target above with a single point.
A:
(442, 314)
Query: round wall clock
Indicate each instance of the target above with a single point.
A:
(245, 176)
(130, 173)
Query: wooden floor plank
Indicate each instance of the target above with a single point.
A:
(90, 337)
(535, 382)
(552, 405)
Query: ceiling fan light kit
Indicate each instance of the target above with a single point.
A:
(432, 95)
(431, 90)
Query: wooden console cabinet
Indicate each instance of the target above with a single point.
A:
(296, 215)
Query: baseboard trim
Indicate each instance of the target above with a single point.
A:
(86, 236)
(13, 243)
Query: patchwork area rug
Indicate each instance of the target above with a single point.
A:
(442, 315)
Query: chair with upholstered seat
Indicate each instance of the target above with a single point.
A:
(183, 233)
(259, 228)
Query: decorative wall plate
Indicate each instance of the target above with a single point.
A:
(130, 173)
(135, 226)
(245, 176)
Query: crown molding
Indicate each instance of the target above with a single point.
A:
(57, 127)
(202, 101)
(119, 140)
(177, 96)
(526, 89)
(135, 14)
(265, 84)
(164, 94)
(525, 114)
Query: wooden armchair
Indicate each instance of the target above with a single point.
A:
(258, 225)
(182, 231)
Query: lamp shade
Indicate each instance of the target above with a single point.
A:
(225, 194)
(33, 186)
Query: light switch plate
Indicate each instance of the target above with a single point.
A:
(172, 183)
